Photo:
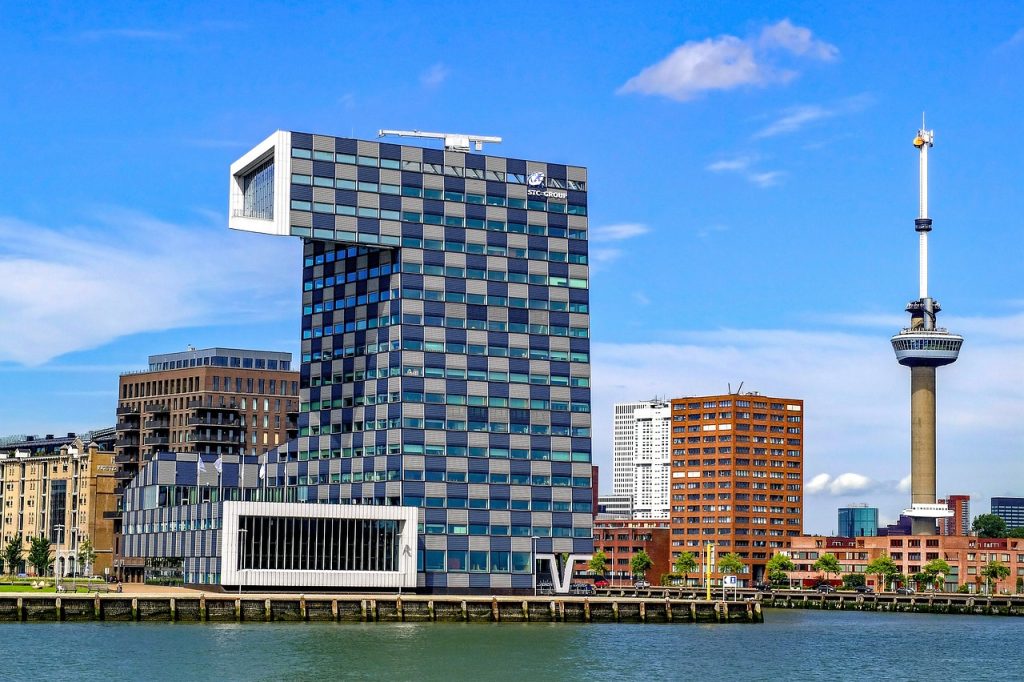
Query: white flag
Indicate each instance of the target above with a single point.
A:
(263, 471)
(201, 466)
(219, 464)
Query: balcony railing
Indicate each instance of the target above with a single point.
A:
(157, 424)
(127, 410)
(200, 404)
(199, 437)
(157, 440)
(157, 408)
(127, 425)
(217, 421)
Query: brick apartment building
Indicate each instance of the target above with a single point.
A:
(214, 400)
(622, 539)
(966, 556)
(737, 476)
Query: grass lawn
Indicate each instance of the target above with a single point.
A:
(28, 588)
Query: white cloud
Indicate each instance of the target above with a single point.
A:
(904, 485)
(740, 163)
(849, 482)
(617, 232)
(744, 166)
(728, 62)
(434, 76)
(817, 483)
(766, 179)
(797, 40)
(79, 287)
(856, 402)
(794, 119)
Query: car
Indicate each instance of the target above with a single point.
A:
(904, 590)
(763, 587)
(581, 588)
(864, 589)
(601, 582)
(641, 584)
(825, 588)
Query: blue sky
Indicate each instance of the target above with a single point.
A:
(752, 196)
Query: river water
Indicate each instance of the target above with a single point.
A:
(790, 645)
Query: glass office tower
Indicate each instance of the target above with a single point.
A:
(445, 343)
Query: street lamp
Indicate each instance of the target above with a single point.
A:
(56, 564)
(241, 544)
(533, 557)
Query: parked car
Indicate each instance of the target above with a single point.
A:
(763, 587)
(825, 588)
(864, 589)
(641, 584)
(904, 590)
(601, 582)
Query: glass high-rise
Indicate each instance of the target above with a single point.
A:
(445, 343)
(858, 521)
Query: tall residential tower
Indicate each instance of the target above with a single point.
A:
(922, 347)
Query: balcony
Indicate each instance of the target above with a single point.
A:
(219, 421)
(127, 440)
(127, 410)
(124, 458)
(157, 424)
(157, 440)
(124, 475)
(199, 404)
(128, 425)
(200, 437)
(114, 514)
(156, 408)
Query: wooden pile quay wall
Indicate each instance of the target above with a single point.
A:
(372, 608)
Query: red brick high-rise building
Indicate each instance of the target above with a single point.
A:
(737, 476)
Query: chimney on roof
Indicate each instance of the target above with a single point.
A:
(49, 436)
(30, 438)
(71, 434)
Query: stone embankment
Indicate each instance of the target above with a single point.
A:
(207, 607)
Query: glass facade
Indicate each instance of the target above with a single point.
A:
(258, 190)
(856, 522)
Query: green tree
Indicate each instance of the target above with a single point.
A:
(989, 526)
(828, 564)
(935, 570)
(39, 555)
(730, 563)
(640, 564)
(883, 568)
(1015, 533)
(853, 580)
(993, 572)
(778, 568)
(597, 563)
(86, 556)
(12, 554)
(1020, 585)
(686, 564)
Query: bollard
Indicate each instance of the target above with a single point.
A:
(334, 609)
(174, 610)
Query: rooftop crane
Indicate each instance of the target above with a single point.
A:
(453, 142)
